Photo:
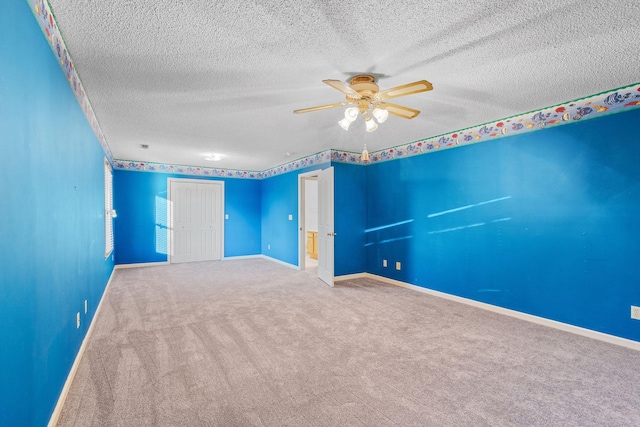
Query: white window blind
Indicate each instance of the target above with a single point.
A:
(109, 213)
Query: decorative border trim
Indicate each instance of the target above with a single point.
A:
(184, 170)
(347, 157)
(46, 19)
(613, 101)
(314, 159)
(610, 102)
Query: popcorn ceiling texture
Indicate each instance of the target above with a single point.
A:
(189, 78)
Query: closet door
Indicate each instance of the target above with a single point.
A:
(196, 219)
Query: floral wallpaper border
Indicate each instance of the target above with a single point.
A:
(609, 102)
(42, 12)
(323, 157)
(613, 101)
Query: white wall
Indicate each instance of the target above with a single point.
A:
(311, 205)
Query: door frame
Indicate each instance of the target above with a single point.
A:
(170, 212)
(302, 238)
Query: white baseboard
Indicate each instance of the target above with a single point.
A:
(295, 267)
(611, 339)
(349, 277)
(141, 264)
(258, 256)
(53, 420)
(242, 257)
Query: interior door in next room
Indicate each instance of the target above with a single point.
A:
(196, 221)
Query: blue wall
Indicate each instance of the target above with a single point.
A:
(350, 211)
(544, 223)
(279, 200)
(52, 229)
(140, 228)
(258, 217)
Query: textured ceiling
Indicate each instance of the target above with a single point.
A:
(190, 78)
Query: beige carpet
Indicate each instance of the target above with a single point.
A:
(254, 343)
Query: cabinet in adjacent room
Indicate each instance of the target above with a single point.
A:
(312, 244)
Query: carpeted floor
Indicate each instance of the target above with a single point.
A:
(254, 343)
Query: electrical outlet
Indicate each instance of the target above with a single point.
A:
(290, 217)
(85, 306)
(78, 320)
(635, 312)
(384, 262)
(269, 247)
(398, 265)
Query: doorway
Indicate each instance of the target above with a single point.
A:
(195, 212)
(316, 223)
(309, 225)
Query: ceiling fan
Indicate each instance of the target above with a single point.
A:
(363, 92)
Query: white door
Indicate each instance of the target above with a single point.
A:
(325, 226)
(196, 221)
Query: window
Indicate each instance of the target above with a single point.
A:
(109, 213)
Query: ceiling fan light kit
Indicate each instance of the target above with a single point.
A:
(363, 91)
(366, 95)
(351, 114)
(344, 124)
(370, 124)
(380, 114)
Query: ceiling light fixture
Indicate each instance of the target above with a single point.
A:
(365, 95)
(344, 124)
(380, 114)
(351, 115)
(370, 124)
(213, 157)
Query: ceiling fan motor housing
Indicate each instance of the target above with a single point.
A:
(365, 85)
(367, 88)
(364, 93)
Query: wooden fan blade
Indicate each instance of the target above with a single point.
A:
(399, 110)
(404, 90)
(343, 87)
(320, 107)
